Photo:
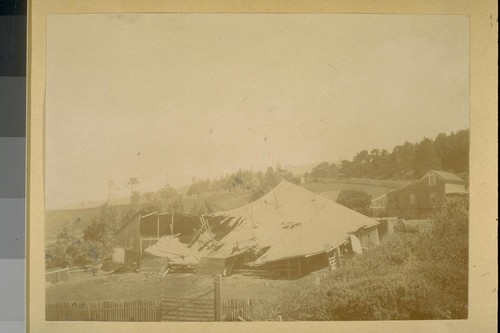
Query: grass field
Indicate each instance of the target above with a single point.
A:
(130, 286)
(374, 188)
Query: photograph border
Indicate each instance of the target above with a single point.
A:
(483, 270)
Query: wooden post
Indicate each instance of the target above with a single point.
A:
(158, 226)
(172, 225)
(218, 297)
(299, 263)
(288, 268)
(337, 257)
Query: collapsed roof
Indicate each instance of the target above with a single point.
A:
(170, 247)
(287, 222)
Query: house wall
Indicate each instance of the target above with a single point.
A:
(386, 227)
(399, 202)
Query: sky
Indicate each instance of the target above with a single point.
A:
(168, 97)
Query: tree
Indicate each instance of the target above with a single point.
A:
(102, 229)
(68, 250)
(425, 158)
(168, 192)
(206, 206)
(403, 158)
(132, 182)
(111, 190)
(325, 170)
(126, 216)
(178, 205)
(135, 198)
(153, 201)
(355, 200)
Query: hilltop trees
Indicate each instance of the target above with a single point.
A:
(241, 181)
(425, 158)
(325, 170)
(409, 161)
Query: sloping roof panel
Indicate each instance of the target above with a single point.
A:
(290, 221)
(447, 175)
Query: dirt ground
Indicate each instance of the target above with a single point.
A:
(130, 286)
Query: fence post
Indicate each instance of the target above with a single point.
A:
(218, 297)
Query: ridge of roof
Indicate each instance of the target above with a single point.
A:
(445, 175)
(291, 221)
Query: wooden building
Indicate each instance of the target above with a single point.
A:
(142, 231)
(289, 232)
(422, 198)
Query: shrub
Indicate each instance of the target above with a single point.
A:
(411, 276)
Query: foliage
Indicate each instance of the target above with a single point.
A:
(411, 160)
(410, 277)
(95, 245)
(135, 197)
(168, 192)
(355, 200)
(258, 183)
(325, 170)
(206, 206)
(177, 206)
(67, 251)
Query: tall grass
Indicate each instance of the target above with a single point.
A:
(410, 277)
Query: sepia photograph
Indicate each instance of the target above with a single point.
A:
(256, 167)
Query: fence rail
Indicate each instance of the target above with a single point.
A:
(135, 310)
(58, 275)
(82, 271)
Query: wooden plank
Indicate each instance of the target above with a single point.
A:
(190, 300)
(170, 307)
(178, 316)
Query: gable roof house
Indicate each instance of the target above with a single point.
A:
(290, 231)
(423, 197)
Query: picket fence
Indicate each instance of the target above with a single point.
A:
(236, 309)
(133, 310)
(186, 309)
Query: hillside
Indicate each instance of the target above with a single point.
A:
(77, 219)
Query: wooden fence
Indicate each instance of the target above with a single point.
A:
(205, 307)
(242, 309)
(58, 275)
(201, 308)
(82, 271)
(136, 310)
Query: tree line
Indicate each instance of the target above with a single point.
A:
(256, 182)
(447, 152)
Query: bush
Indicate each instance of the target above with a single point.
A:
(411, 276)
(356, 200)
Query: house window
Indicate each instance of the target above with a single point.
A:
(433, 199)
(413, 199)
(432, 180)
